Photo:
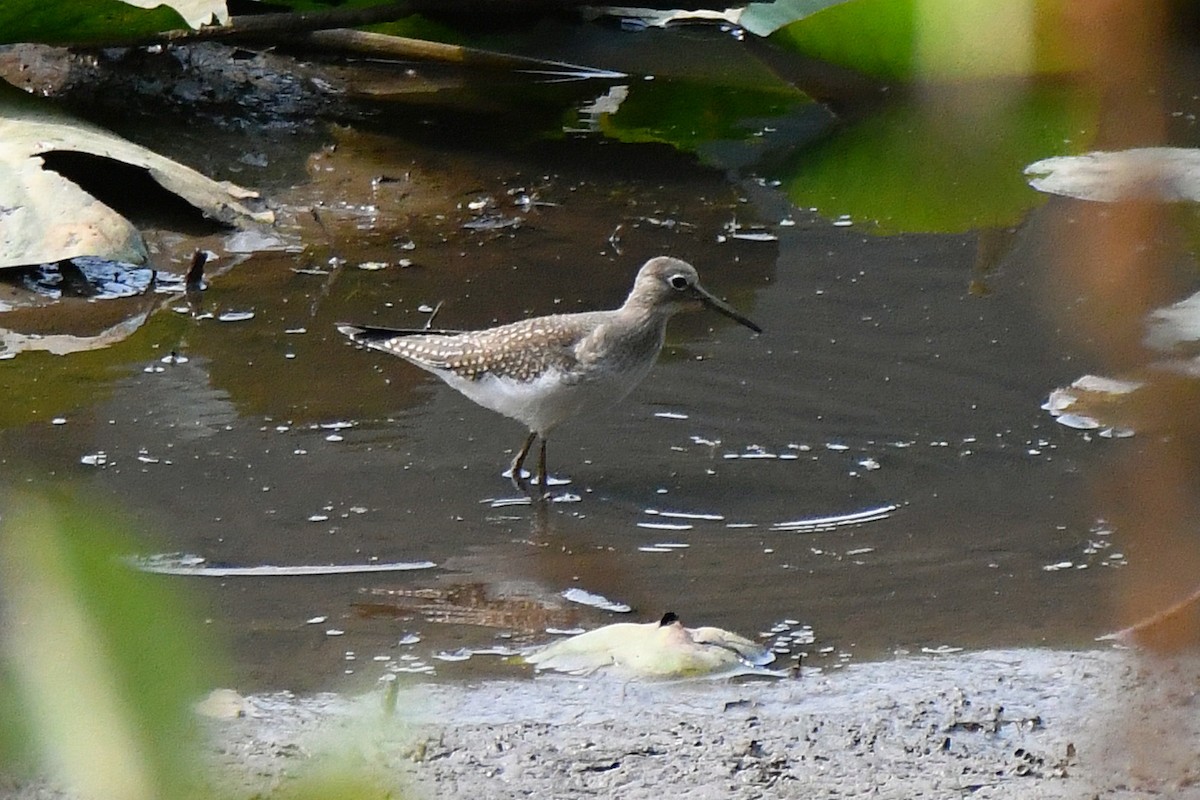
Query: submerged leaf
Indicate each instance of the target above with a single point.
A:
(692, 115)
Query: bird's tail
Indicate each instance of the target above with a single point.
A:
(369, 334)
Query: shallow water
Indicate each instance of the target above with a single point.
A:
(887, 384)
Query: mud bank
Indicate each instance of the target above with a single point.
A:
(1029, 723)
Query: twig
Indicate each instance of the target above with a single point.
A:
(382, 46)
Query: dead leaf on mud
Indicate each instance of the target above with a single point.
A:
(46, 218)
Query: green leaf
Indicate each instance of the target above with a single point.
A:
(763, 19)
(940, 39)
(688, 114)
(98, 21)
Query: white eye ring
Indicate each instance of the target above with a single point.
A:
(679, 282)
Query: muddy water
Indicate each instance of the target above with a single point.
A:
(901, 372)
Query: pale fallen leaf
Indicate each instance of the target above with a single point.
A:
(662, 649)
(46, 218)
(1170, 174)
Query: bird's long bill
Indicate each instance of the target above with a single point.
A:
(725, 308)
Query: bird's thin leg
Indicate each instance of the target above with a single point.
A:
(543, 478)
(519, 461)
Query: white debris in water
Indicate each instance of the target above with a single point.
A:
(1079, 422)
(315, 620)
(318, 518)
(670, 415)
(235, 316)
(97, 459)
(869, 464)
(1100, 383)
(666, 526)
(175, 564)
(1059, 400)
(814, 524)
(335, 632)
(373, 266)
(59, 421)
(252, 241)
(844, 221)
(755, 236)
(942, 650)
(684, 515)
(409, 638)
(586, 598)
(1061, 565)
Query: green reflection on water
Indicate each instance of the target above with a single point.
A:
(946, 161)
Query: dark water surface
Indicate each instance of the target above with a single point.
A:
(901, 370)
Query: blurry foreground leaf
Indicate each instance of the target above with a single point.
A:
(83, 21)
(943, 162)
(939, 39)
(105, 659)
(48, 218)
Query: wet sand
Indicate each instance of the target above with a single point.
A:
(1001, 723)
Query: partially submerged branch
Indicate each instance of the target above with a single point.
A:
(382, 46)
(259, 27)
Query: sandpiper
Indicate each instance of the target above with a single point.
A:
(544, 370)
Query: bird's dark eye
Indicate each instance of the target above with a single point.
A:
(679, 282)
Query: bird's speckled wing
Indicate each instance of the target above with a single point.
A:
(519, 351)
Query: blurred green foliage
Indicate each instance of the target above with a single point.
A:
(940, 39)
(101, 662)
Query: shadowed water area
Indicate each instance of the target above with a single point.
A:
(900, 376)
